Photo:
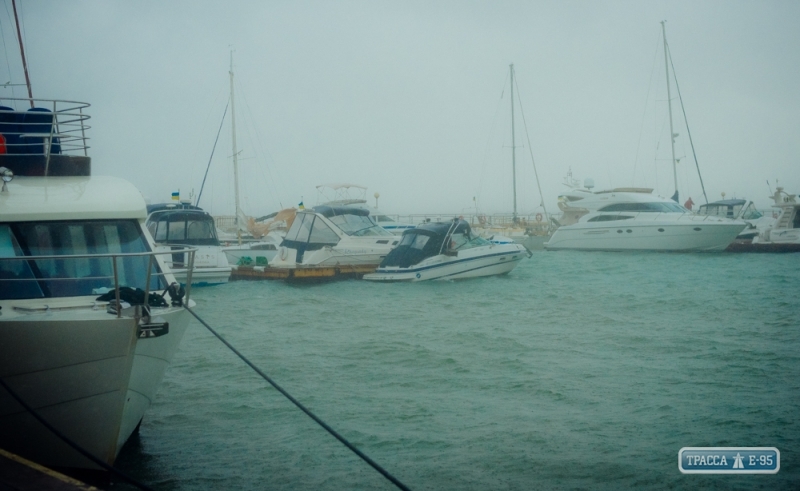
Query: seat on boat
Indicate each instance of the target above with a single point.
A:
(9, 128)
(38, 120)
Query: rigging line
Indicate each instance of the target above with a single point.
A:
(686, 121)
(71, 443)
(5, 48)
(197, 203)
(489, 138)
(22, 52)
(271, 180)
(297, 403)
(644, 113)
(530, 149)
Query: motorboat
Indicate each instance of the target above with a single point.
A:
(180, 224)
(783, 235)
(334, 236)
(91, 314)
(447, 251)
(628, 220)
(353, 195)
(739, 209)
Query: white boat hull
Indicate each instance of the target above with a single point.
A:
(151, 359)
(74, 371)
(211, 265)
(496, 259)
(694, 235)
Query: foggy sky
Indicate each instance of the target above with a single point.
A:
(411, 99)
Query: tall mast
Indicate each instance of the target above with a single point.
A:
(669, 104)
(22, 53)
(235, 151)
(513, 146)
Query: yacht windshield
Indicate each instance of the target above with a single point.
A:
(656, 207)
(69, 277)
(750, 212)
(358, 225)
(183, 227)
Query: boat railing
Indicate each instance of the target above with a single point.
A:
(43, 127)
(104, 274)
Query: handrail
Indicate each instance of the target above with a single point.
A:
(114, 257)
(67, 130)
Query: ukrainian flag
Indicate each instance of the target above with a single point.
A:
(300, 206)
(176, 196)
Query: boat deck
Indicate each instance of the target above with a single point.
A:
(22, 474)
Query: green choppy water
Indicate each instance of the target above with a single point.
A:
(576, 371)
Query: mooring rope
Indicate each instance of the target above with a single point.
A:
(297, 403)
(71, 443)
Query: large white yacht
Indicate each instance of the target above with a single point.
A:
(627, 219)
(178, 225)
(85, 335)
(334, 236)
(447, 251)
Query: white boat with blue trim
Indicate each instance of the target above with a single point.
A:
(447, 251)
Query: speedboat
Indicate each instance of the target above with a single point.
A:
(635, 219)
(334, 236)
(178, 225)
(739, 209)
(85, 334)
(447, 251)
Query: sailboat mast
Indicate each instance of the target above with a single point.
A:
(513, 145)
(22, 53)
(235, 151)
(669, 104)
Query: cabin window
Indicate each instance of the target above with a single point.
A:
(321, 233)
(609, 218)
(68, 277)
(301, 228)
(657, 207)
(419, 241)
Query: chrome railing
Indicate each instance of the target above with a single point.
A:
(43, 126)
(83, 284)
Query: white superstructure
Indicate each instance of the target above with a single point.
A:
(76, 347)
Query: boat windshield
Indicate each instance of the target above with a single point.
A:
(182, 227)
(70, 277)
(750, 212)
(654, 207)
(358, 225)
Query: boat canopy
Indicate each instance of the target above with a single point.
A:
(731, 208)
(332, 211)
(428, 240)
(183, 226)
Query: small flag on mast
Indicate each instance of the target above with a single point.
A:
(300, 206)
(176, 196)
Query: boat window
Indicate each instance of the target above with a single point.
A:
(179, 227)
(68, 277)
(419, 241)
(301, 228)
(321, 233)
(657, 207)
(358, 225)
(383, 218)
(15, 275)
(609, 218)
